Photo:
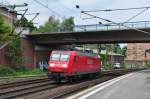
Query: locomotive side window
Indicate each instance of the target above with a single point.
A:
(64, 57)
(55, 57)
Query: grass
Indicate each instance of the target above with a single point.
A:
(6, 71)
(107, 67)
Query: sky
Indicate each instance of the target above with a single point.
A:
(66, 8)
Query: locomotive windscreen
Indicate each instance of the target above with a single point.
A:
(64, 57)
(55, 57)
(59, 57)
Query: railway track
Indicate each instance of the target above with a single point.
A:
(5, 80)
(22, 82)
(9, 94)
(11, 90)
(31, 76)
(46, 89)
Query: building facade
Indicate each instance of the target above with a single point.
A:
(9, 14)
(115, 58)
(138, 54)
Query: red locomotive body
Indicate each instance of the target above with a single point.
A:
(70, 63)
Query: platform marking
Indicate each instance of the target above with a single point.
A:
(88, 92)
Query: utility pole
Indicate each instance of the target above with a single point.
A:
(19, 21)
(19, 5)
(30, 21)
(11, 9)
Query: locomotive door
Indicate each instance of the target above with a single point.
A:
(75, 64)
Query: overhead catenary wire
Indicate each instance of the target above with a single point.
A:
(136, 15)
(32, 13)
(69, 9)
(145, 9)
(20, 10)
(36, 15)
(29, 21)
(108, 10)
(19, 21)
(145, 32)
(48, 8)
(88, 18)
(78, 7)
(28, 14)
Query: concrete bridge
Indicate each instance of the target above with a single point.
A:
(97, 33)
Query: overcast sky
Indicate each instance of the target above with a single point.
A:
(66, 8)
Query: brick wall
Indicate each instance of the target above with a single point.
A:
(136, 52)
(28, 53)
(3, 50)
(8, 17)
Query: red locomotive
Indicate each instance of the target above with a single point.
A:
(68, 64)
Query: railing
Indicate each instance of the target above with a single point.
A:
(112, 26)
(105, 27)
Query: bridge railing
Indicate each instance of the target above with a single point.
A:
(112, 26)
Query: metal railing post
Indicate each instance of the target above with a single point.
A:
(96, 27)
(84, 27)
(145, 24)
(119, 27)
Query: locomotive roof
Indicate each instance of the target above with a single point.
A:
(86, 53)
(79, 52)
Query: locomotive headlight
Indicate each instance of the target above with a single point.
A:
(64, 65)
(51, 65)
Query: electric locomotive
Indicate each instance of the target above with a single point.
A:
(69, 64)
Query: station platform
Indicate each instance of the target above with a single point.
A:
(130, 86)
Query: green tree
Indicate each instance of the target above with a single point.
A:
(23, 22)
(117, 49)
(14, 51)
(67, 24)
(51, 25)
(4, 30)
(124, 51)
(54, 25)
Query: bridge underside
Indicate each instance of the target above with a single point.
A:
(91, 37)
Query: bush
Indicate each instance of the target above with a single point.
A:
(18, 71)
(24, 71)
(6, 71)
(13, 54)
(107, 67)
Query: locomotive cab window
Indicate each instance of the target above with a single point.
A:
(55, 57)
(59, 57)
(64, 57)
